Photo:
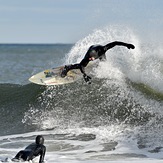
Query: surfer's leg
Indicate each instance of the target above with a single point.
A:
(67, 68)
(18, 156)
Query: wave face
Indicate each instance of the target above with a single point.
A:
(126, 91)
(15, 101)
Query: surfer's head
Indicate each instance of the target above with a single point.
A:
(39, 139)
(93, 55)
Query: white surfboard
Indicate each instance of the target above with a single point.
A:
(53, 76)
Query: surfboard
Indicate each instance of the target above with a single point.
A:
(53, 76)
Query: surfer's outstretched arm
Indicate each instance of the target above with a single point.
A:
(115, 43)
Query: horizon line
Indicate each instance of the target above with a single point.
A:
(36, 43)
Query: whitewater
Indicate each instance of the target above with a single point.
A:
(118, 118)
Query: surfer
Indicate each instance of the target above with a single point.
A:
(94, 52)
(33, 150)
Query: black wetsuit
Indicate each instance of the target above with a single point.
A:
(32, 151)
(96, 51)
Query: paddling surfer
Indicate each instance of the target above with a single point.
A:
(33, 150)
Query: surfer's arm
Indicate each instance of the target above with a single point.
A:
(82, 69)
(85, 76)
(115, 43)
(42, 155)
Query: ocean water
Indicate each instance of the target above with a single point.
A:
(118, 118)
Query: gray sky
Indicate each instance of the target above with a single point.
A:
(67, 21)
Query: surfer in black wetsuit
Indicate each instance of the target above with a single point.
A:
(32, 151)
(94, 52)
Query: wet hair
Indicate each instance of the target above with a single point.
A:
(40, 139)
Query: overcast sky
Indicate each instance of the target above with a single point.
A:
(67, 21)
